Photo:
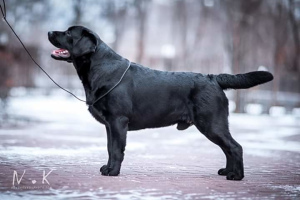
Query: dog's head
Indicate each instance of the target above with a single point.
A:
(72, 43)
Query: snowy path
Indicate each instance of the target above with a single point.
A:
(58, 133)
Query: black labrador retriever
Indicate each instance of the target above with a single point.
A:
(146, 98)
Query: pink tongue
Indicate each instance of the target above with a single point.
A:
(61, 53)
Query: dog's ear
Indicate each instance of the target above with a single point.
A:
(85, 45)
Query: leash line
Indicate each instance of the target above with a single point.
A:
(113, 86)
(4, 17)
(3, 11)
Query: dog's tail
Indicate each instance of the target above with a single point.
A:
(243, 81)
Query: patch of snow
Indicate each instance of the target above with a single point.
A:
(254, 109)
(296, 112)
(134, 146)
(277, 111)
(29, 153)
(289, 188)
(231, 106)
(274, 145)
(50, 108)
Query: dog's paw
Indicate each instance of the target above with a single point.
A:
(223, 171)
(106, 171)
(234, 176)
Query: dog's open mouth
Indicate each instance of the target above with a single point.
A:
(60, 53)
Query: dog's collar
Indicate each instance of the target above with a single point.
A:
(129, 63)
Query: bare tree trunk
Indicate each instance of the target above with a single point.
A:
(142, 12)
(236, 65)
(238, 13)
(280, 39)
(295, 31)
(77, 6)
(117, 17)
(180, 27)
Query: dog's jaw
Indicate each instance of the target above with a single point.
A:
(62, 53)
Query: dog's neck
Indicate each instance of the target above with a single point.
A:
(99, 71)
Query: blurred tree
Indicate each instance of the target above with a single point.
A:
(180, 24)
(237, 27)
(278, 15)
(255, 33)
(116, 11)
(142, 10)
(78, 11)
(21, 15)
(295, 26)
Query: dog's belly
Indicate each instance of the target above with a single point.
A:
(159, 115)
(139, 124)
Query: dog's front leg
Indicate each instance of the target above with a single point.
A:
(104, 168)
(116, 141)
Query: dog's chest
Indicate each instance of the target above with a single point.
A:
(98, 115)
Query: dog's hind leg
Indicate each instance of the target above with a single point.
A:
(116, 142)
(218, 133)
(215, 128)
(210, 116)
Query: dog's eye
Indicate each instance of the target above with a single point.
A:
(68, 33)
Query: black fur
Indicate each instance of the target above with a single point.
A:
(243, 81)
(148, 98)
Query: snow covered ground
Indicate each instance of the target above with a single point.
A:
(57, 133)
(61, 110)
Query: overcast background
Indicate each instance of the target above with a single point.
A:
(205, 36)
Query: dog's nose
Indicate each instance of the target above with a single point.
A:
(50, 33)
